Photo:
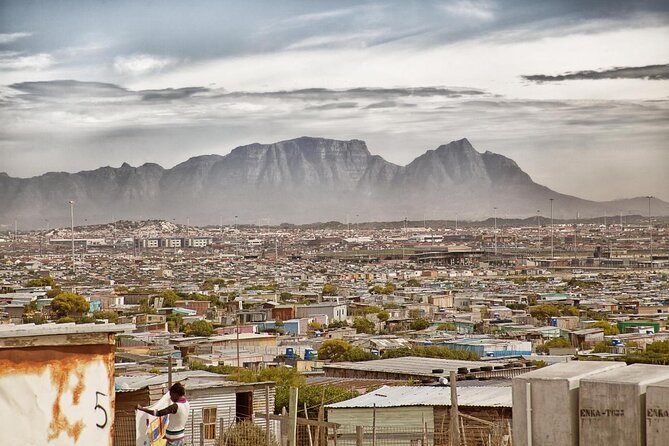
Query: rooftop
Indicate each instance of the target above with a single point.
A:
(412, 365)
(402, 396)
(23, 330)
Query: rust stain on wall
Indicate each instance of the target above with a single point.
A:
(63, 364)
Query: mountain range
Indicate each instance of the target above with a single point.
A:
(300, 180)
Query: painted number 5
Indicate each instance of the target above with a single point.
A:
(99, 407)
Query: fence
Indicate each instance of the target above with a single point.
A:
(319, 433)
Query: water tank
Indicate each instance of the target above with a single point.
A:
(612, 405)
(308, 354)
(290, 353)
(657, 414)
(553, 394)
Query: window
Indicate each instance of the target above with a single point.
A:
(209, 421)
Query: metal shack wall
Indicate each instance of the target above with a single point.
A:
(612, 405)
(657, 414)
(58, 392)
(225, 401)
(408, 418)
(554, 402)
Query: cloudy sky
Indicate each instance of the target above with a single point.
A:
(577, 92)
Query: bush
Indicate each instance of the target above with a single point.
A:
(338, 350)
(448, 326)
(67, 304)
(245, 433)
(199, 328)
(419, 324)
(363, 325)
(435, 351)
(609, 329)
(553, 343)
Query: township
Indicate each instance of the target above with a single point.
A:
(430, 333)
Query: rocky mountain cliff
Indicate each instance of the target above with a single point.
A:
(300, 180)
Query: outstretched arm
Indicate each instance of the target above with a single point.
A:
(159, 413)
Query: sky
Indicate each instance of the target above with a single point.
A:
(575, 91)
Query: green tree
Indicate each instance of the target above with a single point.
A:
(448, 326)
(419, 324)
(111, 316)
(337, 324)
(144, 307)
(338, 350)
(383, 315)
(170, 298)
(199, 328)
(363, 325)
(69, 304)
(42, 281)
(544, 311)
(609, 329)
(569, 310)
(433, 351)
(329, 290)
(175, 323)
(53, 292)
(314, 326)
(285, 296)
(333, 350)
(601, 347)
(414, 314)
(553, 343)
(413, 282)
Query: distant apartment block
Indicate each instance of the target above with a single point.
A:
(173, 242)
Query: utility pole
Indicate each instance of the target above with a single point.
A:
(405, 236)
(455, 415)
(552, 244)
(650, 230)
(495, 219)
(237, 330)
(575, 235)
(74, 267)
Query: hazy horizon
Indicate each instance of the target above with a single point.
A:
(577, 93)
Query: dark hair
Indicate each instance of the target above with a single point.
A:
(178, 388)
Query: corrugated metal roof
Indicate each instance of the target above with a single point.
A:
(412, 365)
(196, 379)
(399, 396)
(22, 330)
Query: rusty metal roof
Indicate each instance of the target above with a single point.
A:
(24, 330)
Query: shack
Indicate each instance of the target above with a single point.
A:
(215, 402)
(57, 383)
(422, 413)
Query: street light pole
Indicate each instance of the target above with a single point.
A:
(552, 245)
(650, 230)
(74, 267)
(495, 219)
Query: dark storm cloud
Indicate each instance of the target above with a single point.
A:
(334, 106)
(362, 92)
(649, 72)
(68, 88)
(63, 89)
(382, 104)
(143, 27)
(171, 93)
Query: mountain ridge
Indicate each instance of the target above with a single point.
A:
(301, 180)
